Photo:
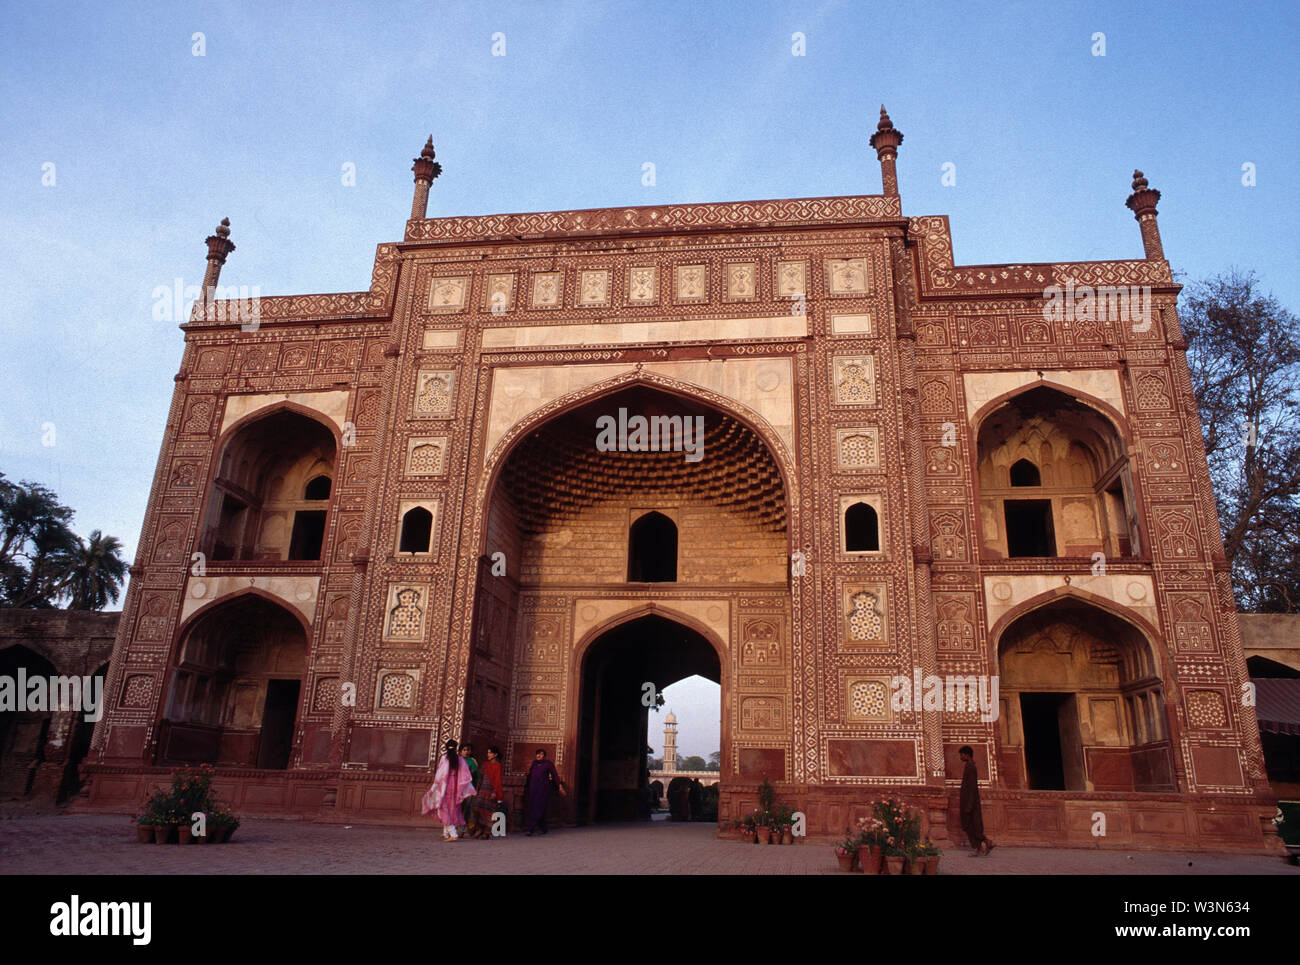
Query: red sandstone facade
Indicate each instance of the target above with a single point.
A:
(407, 534)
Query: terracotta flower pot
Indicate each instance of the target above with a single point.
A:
(932, 865)
(144, 833)
(230, 833)
(218, 835)
(184, 833)
(787, 836)
(162, 833)
(894, 865)
(869, 859)
(914, 866)
(846, 861)
(763, 835)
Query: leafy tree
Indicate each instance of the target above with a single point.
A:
(692, 763)
(1244, 356)
(42, 561)
(97, 572)
(655, 763)
(715, 761)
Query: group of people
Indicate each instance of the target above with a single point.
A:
(466, 797)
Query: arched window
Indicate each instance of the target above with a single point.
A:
(861, 529)
(1025, 473)
(417, 530)
(652, 550)
(1055, 480)
(318, 488)
(269, 500)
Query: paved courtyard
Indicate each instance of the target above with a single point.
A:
(80, 844)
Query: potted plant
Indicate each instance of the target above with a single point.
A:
(895, 857)
(222, 824)
(144, 827)
(871, 837)
(209, 835)
(192, 791)
(846, 852)
(748, 832)
(784, 823)
(165, 819)
(932, 854)
(915, 859)
(900, 832)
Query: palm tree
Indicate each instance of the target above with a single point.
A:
(96, 572)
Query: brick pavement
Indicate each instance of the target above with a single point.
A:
(81, 844)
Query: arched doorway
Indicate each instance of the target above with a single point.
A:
(1083, 705)
(580, 532)
(235, 688)
(23, 733)
(623, 671)
(1054, 480)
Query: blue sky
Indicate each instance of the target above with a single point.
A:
(152, 145)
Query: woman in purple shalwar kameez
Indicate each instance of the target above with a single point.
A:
(452, 783)
(542, 778)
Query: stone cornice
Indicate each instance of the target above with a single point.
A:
(789, 213)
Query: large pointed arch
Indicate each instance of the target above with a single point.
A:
(187, 624)
(1089, 495)
(643, 608)
(497, 458)
(1086, 700)
(235, 683)
(1151, 632)
(1105, 409)
(239, 519)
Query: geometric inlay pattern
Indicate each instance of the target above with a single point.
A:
(1205, 708)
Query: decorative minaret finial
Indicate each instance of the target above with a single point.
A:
(426, 169)
(1143, 204)
(886, 141)
(219, 246)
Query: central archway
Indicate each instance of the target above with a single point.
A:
(622, 672)
(584, 529)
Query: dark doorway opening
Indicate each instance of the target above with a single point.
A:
(23, 733)
(417, 529)
(230, 542)
(318, 488)
(308, 534)
(278, 715)
(613, 776)
(1029, 527)
(861, 529)
(1025, 473)
(652, 550)
(1044, 760)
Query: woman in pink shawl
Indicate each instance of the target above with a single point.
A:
(452, 783)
